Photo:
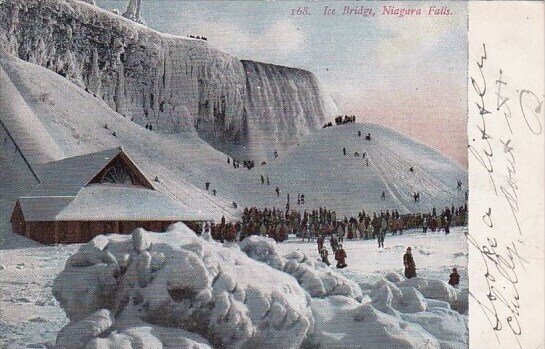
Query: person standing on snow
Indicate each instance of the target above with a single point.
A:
(454, 278)
(408, 262)
(425, 225)
(382, 232)
(333, 242)
(448, 220)
(340, 257)
(323, 254)
(320, 242)
(262, 230)
(344, 151)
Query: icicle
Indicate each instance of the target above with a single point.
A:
(133, 11)
(94, 76)
(120, 106)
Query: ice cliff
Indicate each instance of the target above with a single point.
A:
(164, 80)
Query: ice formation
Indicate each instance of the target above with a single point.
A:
(134, 11)
(178, 280)
(164, 80)
(178, 290)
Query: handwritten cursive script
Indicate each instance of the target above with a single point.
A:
(502, 116)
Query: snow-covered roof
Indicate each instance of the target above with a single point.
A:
(37, 209)
(67, 176)
(113, 202)
(105, 202)
(66, 192)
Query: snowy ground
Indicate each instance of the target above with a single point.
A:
(30, 314)
(435, 255)
(28, 311)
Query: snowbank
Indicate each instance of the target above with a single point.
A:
(424, 302)
(178, 280)
(439, 290)
(344, 323)
(177, 290)
(314, 277)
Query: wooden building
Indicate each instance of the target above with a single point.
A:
(84, 196)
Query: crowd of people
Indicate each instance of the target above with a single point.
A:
(249, 164)
(326, 228)
(197, 37)
(309, 225)
(340, 120)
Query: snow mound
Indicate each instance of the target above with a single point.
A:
(439, 290)
(448, 326)
(178, 290)
(424, 251)
(341, 320)
(317, 280)
(391, 299)
(178, 280)
(76, 335)
(426, 303)
(394, 277)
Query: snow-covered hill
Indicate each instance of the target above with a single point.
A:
(317, 168)
(75, 122)
(166, 81)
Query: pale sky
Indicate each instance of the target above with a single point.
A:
(407, 73)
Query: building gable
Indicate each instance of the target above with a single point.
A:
(121, 170)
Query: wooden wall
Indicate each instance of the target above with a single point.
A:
(80, 231)
(17, 220)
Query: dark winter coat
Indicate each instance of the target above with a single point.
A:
(454, 279)
(340, 256)
(410, 266)
(323, 254)
(320, 243)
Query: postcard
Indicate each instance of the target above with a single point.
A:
(272, 174)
